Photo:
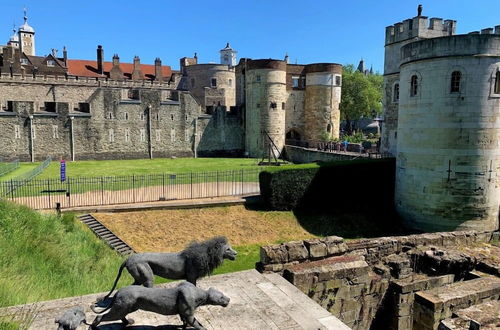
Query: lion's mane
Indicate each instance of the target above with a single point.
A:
(203, 257)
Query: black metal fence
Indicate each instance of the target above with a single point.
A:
(94, 191)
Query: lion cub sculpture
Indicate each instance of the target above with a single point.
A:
(198, 259)
(182, 300)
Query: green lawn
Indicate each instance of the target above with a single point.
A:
(91, 168)
(23, 168)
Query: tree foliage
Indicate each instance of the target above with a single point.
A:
(361, 94)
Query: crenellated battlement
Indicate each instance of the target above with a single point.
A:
(419, 27)
(494, 30)
(85, 81)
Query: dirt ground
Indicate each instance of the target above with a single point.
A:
(170, 230)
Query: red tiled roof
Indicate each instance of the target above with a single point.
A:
(87, 68)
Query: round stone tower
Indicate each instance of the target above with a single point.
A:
(265, 106)
(448, 158)
(322, 99)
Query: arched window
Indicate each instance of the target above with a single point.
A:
(414, 85)
(329, 128)
(455, 82)
(395, 95)
(497, 83)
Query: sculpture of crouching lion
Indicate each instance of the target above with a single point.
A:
(197, 260)
(182, 300)
(71, 319)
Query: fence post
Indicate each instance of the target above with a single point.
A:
(217, 183)
(12, 189)
(163, 186)
(48, 189)
(191, 185)
(102, 190)
(242, 182)
(133, 187)
(68, 191)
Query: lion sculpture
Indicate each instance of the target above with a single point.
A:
(182, 300)
(71, 319)
(197, 260)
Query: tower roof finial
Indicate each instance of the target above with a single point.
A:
(419, 10)
(25, 27)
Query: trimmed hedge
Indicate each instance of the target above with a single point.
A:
(344, 185)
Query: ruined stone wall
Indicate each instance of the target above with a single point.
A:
(448, 162)
(373, 283)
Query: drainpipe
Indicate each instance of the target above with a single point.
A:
(148, 108)
(32, 148)
(72, 138)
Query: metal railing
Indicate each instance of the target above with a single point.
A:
(8, 167)
(8, 187)
(95, 191)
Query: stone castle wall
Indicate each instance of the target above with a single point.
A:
(448, 161)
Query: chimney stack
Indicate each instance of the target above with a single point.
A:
(65, 55)
(116, 73)
(100, 60)
(137, 73)
(158, 70)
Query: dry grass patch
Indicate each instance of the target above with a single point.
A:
(170, 230)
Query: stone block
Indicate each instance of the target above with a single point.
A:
(273, 254)
(273, 268)
(296, 251)
(317, 249)
(404, 323)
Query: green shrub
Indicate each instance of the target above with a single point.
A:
(341, 185)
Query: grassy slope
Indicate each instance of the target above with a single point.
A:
(147, 166)
(44, 257)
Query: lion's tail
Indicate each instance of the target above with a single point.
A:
(116, 280)
(93, 307)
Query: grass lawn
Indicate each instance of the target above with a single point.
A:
(92, 168)
(23, 168)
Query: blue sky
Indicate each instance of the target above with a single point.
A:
(310, 31)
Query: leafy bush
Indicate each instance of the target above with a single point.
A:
(343, 185)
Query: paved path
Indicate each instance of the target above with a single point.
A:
(258, 302)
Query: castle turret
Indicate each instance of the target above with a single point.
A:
(228, 56)
(396, 36)
(265, 106)
(448, 159)
(14, 39)
(27, 37)
(322, 99)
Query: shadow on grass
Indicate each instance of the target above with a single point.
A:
(349, 224)
(119, 326)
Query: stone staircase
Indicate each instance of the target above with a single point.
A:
(106, 235)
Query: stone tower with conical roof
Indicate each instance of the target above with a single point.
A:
(27, 37)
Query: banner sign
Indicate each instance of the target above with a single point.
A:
(63, 170)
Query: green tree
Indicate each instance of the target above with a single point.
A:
(361, 94)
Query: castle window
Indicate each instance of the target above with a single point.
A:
(141, 116)
(157, 117)
(455, 82)
(258, 105)
(158, 135)
(497, 83)
(303, 82)
(172, 135)
(51, 63)
(213, 82)
(172, 117)
(329, 128)
(111, 135)
(50, 106)
(55, 132)
(338, 80)
(24, 61)
(133, 94)
(295, 82)
(395, 95)
(414, 86)
(17, 131)
(257, 78)
(230, 82)
(110, 115)
(84, 107)
(125, 116)
(283, 105)
(143, 135)
(273, 105)
(192, 82)
(9, 107)
(127, 135)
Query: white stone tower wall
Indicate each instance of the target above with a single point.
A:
(224, 92)
(448, 160)
(264, 87)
